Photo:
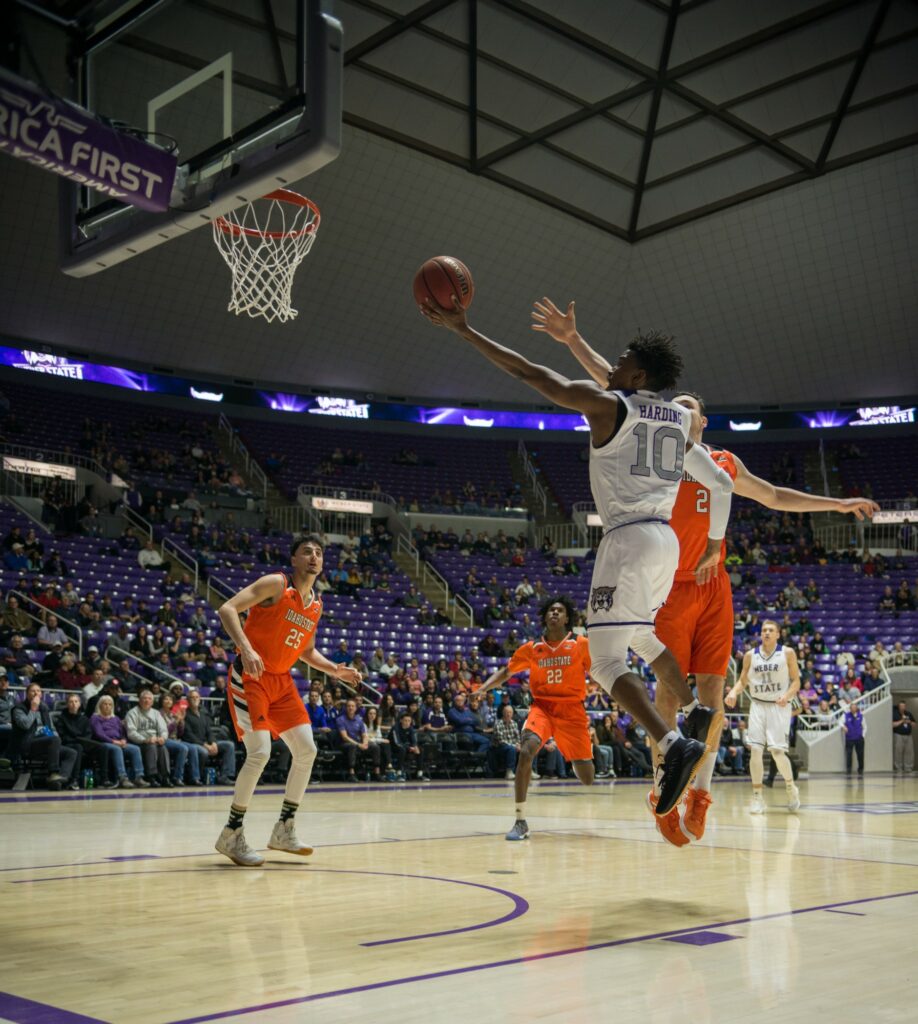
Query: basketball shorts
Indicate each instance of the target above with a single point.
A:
(696, 624)
(567, 722)
(272, 702)
(769, 725)
(632, 575)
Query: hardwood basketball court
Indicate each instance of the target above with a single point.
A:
(415, 908)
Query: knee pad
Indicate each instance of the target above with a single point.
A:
(646, 645)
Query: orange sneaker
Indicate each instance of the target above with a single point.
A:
(669, 824)
(697, 802)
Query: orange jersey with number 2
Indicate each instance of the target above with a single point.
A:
(282, 632)
(556, 671)
(692, 516)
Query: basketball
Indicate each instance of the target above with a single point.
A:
(441, 277)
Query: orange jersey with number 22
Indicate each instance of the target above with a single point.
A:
(556, 671)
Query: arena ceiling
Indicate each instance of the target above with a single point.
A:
(724, 169)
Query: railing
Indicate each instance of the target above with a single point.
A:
(66, 625)
(217, 590)
(305, 491)
(136, 520)
(183, 557)
(535, 484)
(54, 456)
(170, 676)
(427, 573)
(294, 519)
(822, 722)
(24, 510)
(840, 536)
(255, 474)
(562, 535)
(899, 659)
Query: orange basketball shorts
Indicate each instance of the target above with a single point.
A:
(272, 702)
(565, 720)
(696, 624)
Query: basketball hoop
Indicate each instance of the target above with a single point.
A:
(263, 247)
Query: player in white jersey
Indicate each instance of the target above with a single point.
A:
(639, 447)
(772, 675)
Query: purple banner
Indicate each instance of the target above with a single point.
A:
(60, 137)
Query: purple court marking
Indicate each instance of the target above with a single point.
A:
(703, 938)
(372, 986)
(520, 905)
(137, 856)
(27, 1011)
(850, 913)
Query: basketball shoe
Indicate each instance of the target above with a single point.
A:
(232, 844)
(793, 798)
(669, 825)
(697, 724)
(697, 802)
(678, 769)
(519, 831)
(283, 837)
(758, 804)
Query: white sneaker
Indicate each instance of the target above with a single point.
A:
(509, 775)
(284, 838)
(232, 844)
(758, 804)
(793, 799)
(535, 774)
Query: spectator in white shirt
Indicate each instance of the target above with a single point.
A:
(523, 591)
(390, 668)
(150, 558)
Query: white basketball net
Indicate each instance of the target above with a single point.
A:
(263, 247)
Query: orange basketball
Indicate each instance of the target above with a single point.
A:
(440, 278)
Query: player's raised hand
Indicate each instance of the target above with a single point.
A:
(860, 507)
(551, 321)
(453, 319)
(252, 665)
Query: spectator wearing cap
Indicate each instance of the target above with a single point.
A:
(92, 658)
(35, 738)
(180, 752)
(51, 635)
(16, 559)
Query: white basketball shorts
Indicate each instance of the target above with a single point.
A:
(769, 725)
(632, 577)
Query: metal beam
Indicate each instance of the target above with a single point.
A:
(853, 79)
(764, 35)
(473, 84)
(390, 32)
(276, 53)
(737, 124)
(665, 51)
(568, 121)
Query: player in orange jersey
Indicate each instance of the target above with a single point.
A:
(279, 630)
(558, 664)
(696, 622)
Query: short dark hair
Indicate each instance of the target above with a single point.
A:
(569, 607)
(656, 355)
(306, 538)
(702, 406)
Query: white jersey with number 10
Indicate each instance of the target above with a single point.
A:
(636, 475)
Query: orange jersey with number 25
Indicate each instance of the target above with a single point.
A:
(556, 671)
(282, 632)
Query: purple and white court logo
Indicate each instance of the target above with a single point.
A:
(601, 598)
